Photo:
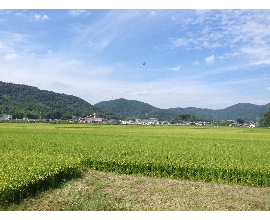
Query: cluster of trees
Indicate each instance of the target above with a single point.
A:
(27, 101)
(184, 117)
(265, 120)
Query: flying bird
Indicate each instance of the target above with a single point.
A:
(144, 63)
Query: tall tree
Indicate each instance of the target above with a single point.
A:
(265, 120)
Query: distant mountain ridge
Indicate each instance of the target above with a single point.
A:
(137, 109)
(22, 100)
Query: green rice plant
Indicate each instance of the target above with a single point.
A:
(35, 157)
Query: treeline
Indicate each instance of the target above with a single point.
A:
(27, 101)
(185, 117)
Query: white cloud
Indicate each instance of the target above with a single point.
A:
(262, 62)
(241, 32)
(78, 12)
(178, 67)
(69, 73)
(3, 46)
(40, 17)
(144, 93)
(210, 59)
(228, 55)
(11, 56)
(71, 76)
(257, 55)
(205, 44)
(151, 15)
(37, 16)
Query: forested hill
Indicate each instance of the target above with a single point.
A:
(22, 100)
(132, 108)
(248, 112)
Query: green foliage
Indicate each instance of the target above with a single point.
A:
(265, 120)
(184, 117)
(240, 121)
(36, 156)
(21, 100)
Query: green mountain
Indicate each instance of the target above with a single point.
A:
(22, 100)
(132, 108)
(247, 112)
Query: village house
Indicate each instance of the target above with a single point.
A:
(146, 121)
(95, 119)
(5, 117)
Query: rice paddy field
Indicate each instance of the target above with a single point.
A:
(35, 157)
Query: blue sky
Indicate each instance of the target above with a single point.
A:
(194, 58)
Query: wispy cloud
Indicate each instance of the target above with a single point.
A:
(112, 26)
(245, 32)
(178, 42)
(81, 56)
(13, 44)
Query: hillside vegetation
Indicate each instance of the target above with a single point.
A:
(265, 120)
(131, 108)
(22, 100)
